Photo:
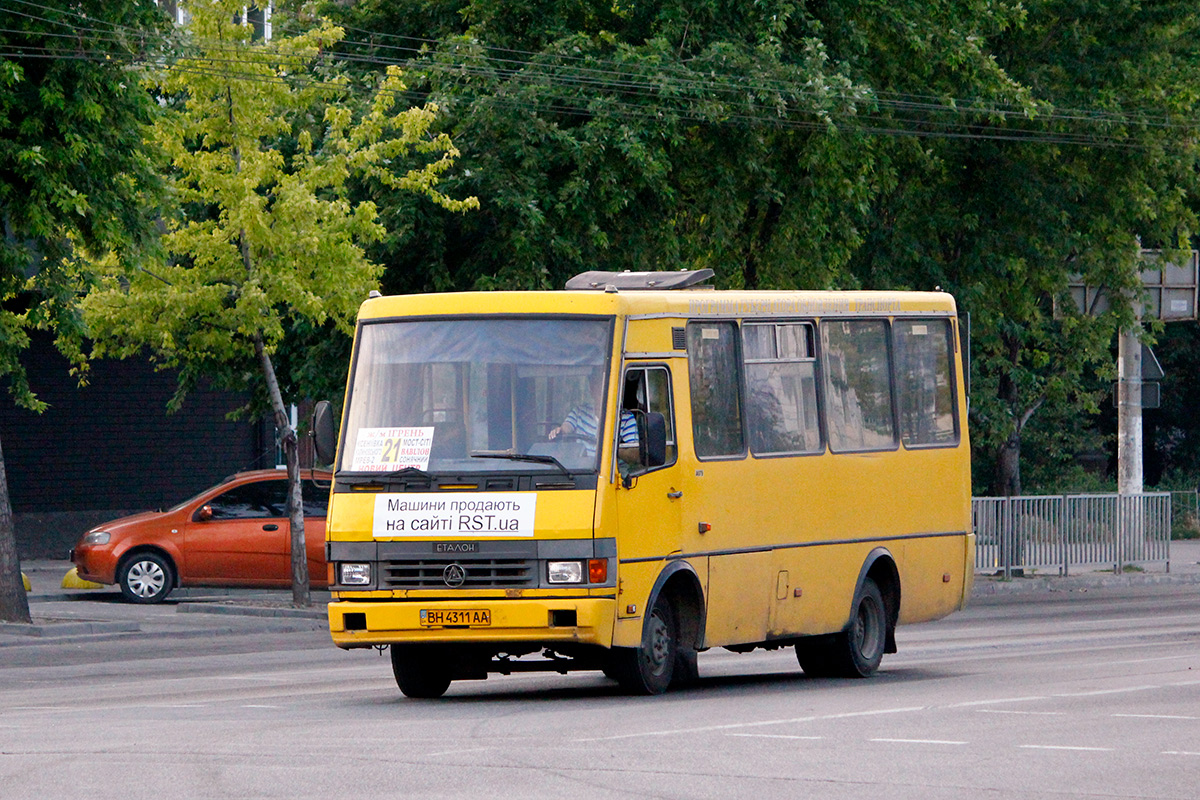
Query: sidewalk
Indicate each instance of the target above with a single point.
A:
(1183, 569)
(63, 614)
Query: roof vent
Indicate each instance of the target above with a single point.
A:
(643, 281)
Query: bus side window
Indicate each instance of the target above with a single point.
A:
(712, 349)
(858, 390)
(925, 388)
(781, 388)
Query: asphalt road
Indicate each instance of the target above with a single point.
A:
(1090, 693)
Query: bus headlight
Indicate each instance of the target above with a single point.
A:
(355, 574)
(565, 571)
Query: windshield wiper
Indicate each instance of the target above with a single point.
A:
(529, 457)
(385, 477)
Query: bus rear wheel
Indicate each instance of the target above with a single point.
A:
(855, 652)
(421, 672)
(650, 668)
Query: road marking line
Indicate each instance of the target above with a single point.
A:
(1186, 683)
(1155, 716)
(774, 736)
(261, 706)
(1006, 711)
(998, 700)
(1179, 753)
(458, 750)
(43, 708)
(1144, 660)
(1065, 747)
(733, 725)
(1108, 691)
(918, 741)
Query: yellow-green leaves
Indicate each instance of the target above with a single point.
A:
(262, 138)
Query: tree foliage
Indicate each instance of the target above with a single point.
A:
(74, 178)
(659, 136)
(262, 138)
(990, 148)
(1104, 165)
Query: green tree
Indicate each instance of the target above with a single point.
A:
(657, 136)
(1002, 216)
(262, 138)
(75, 178)
(990, 148)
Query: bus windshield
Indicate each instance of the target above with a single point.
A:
(469, 394)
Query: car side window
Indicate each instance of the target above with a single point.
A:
(251, 500)
(316, 498)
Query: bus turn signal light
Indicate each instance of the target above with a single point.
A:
(598, 570)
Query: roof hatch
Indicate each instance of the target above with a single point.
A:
(627, 281)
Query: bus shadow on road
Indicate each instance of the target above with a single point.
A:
(585, 687)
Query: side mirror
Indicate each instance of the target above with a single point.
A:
(323, 432)
(652, 439)
(204, 514)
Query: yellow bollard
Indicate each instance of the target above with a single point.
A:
(72, 581)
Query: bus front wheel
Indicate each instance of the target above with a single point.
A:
(650, 668)
(421, 672)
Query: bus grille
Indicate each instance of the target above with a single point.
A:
(491, 573)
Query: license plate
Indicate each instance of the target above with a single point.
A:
(475, 618)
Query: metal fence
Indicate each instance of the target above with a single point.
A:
(1061, 532)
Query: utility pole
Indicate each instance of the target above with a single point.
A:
(1129, 411)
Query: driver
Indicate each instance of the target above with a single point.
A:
(583, 421)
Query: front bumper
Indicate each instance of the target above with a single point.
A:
(542, 621)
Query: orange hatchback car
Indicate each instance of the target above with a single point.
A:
(235, 534)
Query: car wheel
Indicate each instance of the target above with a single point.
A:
(146, 578)
(421, 672)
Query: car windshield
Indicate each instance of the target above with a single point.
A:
(467, 394)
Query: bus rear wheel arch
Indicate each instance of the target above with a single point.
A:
(857, 651)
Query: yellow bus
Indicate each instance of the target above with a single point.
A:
(620, 475)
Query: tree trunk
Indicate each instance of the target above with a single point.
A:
(300, 591)
(14, 605)
(1008, 467)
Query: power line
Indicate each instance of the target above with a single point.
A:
(915, 115)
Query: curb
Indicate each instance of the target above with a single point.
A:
(1049, 584)
(54, 630)
(248, 610)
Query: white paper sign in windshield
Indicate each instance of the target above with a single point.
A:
(473, 515)
(390, 449)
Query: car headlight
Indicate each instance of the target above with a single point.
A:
(96, 537)
(355, 574)
(565, 571)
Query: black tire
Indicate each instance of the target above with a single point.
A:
(815, 657)
(421, 672)
(649, 669)
(146, 578)
(857, 651)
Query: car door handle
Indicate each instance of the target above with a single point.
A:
(674, 495)
(271, 527)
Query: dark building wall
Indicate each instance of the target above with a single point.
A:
(111, 448)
